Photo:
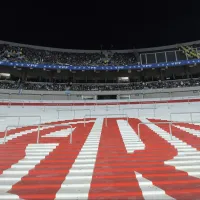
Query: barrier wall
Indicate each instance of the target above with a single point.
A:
(95, 102)
(79, 95)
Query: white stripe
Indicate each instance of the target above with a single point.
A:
(189, 130)
(63, 133)
(21, 133)
(19, 170)
(184, 148)
(80, 122)
(129, 136)
(150, 191)
(77, 170)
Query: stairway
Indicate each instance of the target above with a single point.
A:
(34, 153)
(101, 163)
(37, 171)
(129, 136)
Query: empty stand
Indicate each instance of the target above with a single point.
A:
(178, 114)
(153, 110)
(103, 162)
(23, 116)
(38, 131)
(74, 112)
(129, 136)
(106, 116)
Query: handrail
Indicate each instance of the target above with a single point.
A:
(170, 126)
(10, 103)
(23, 116)
(10, 100)
(70, 105)
(106, 117)
(111, 104)
(183, 113)
(62, 110)
(38, 135)
(154, 112)
(22, 104)
(161, 102)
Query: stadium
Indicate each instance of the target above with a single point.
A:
(88, 124)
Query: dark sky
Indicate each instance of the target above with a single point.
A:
(84, 25)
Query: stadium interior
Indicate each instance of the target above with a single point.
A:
(83, 124)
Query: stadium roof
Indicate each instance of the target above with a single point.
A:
(142, 50)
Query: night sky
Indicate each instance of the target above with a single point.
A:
(122, 25)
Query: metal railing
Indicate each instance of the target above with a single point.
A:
(138, 110)
(161, 102)
(184, 113)
(40, 97)
(23, 116)
(62, 110)
(25, 96)
(170, 126)
(144, 123)
(21, 102)
(38, 134)
(106, 117)
(9, 104)
(107, 105)
(71, 105)
(112, 104)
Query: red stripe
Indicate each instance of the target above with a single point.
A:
(190, 139)
(187, 125)
(174, 189)
(25, 128)
(112, 177)
(62, 152)
(14, 150)
(115, 195)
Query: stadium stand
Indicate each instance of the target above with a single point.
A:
(59, 146)
(27, 54)
(99, 87)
